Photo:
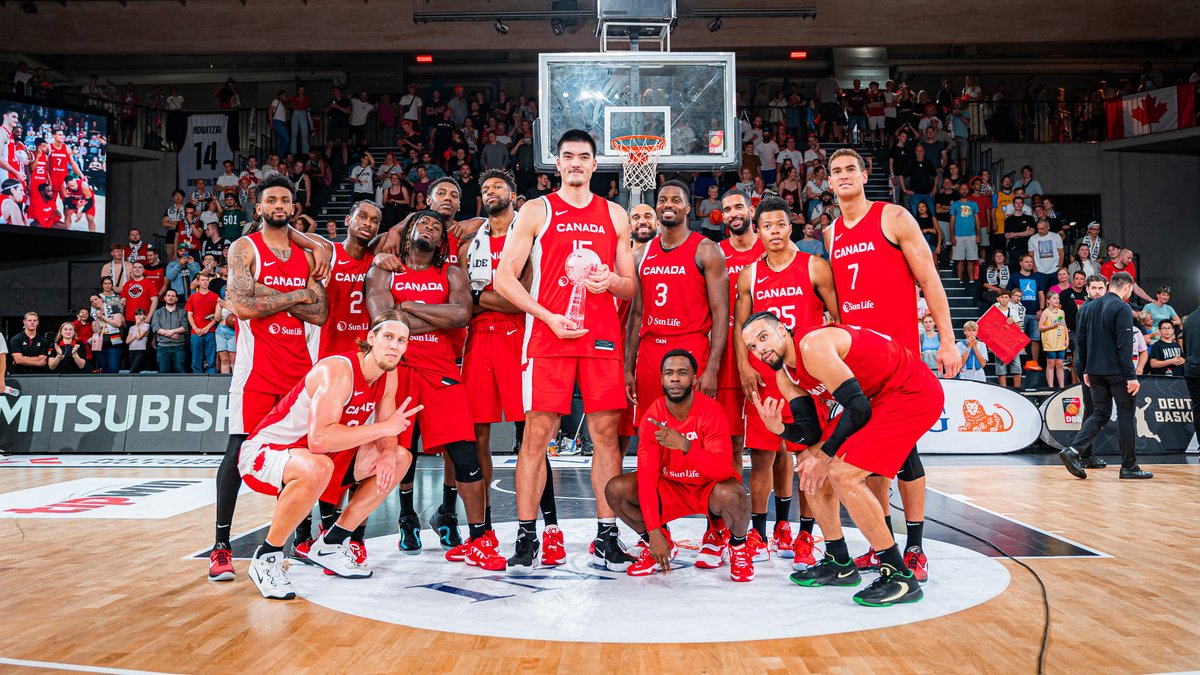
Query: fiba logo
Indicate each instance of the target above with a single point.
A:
(273, 329)
(341, 326)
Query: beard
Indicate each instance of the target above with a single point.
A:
(776, 363)
(643, 236)
(687, 393)
(424, 245)
(499, 206)
(276, 222)
(742, 228)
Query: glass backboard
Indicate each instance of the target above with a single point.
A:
(687, 98)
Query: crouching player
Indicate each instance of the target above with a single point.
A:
(308, 440)
(686, 466)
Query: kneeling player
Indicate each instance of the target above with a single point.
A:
(890, 400)
(685, 466)
(329, 411)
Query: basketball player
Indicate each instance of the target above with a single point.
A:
(325, 424)
(10, 208)
(682, 297)
(346, 327)
(558, 352)
(879, 257)
(435, 298)
(890, 399)
(492, 358)
(82, 199)
(643, 223)
(43, 211)
(275, 296)
(683, 469)
(798, 288)
(39, 175)
(62, 162)
(11, 152)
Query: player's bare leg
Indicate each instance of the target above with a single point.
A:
(782, 474)
(483, 442)
(882, 489)
(304, 476)
(606, 457)
(762, 477)
(531, 480)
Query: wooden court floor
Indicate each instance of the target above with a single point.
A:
(121, 594)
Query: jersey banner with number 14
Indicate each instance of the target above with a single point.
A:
(204, 152)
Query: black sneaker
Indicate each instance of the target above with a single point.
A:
(446, 527)
(828, 573)
(609, 554)
(1092, 462)
(891, 588)
(525, 558)
(410, 535)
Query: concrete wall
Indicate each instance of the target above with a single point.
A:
(1073, 169)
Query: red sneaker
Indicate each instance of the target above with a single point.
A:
(867, 562)
(916, 561)
(759, 552)
(554, 552)
(804, 549)
(482, 553)
(741, 563)
(458, 553)
(644, 566)
(360, 554)
(781, 539)
(220, 564)
(713, 551)
(300, 550)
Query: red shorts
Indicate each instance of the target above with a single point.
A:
(342, 462)
(248, 408)
(758, 437)
(446, 417)
(625, 424)
(899, 418)
(492, 373)
(679, 500)
(548, 384)
(648, 371)
(732, 402)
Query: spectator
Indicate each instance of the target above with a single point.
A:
(1123, 262)
(1002, 200)
(202, 317)
(83, 333)
(169, 325)
(766, 150)
(983, 202)
(201, 194)
(1141, 351)
(811, 243)
(494, 154)
(107, 343)
(790, 152)
(135, 250)
(471, 201)
(154, 270)
(1018, 228)
(959, 123)
(1166, 355)
(1014, 312)
(1062, 281)
(996, 277)
(1083, 260)
(828, 93)
(188, 230)
(301, 122)
(108, 293)
(946, 195)
(227, 183)
(68, 355)
(28, 348)
(278, 112)
(1145, 323)
(138, 339)
(918, 180)
(1097, 247)
(935, 149)
(543, 187)
(1161, 311)
(389, 167)
(362, 176)
(360, 108)
(1028, 183)
(965, 234)
(929, 342)
(1032, 287)
(397, 201)
(1053, 327)
(337, 128)
(815, 154)
(930, 230)
(214, 244)
(459, 107)
(432, 170)
(138, 293)
(412, 107)
(211, 214)
(974, 354)
(181, 271)
(1046, 248)
(116, 269)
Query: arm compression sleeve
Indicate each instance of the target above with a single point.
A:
(856, 414)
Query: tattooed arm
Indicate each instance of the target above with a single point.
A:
(317, 312)
(243, 293)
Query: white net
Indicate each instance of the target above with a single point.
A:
(640, 160)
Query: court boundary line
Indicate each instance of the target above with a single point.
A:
(78, 667)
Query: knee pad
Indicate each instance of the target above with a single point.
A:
(912, 468)
(465, 458)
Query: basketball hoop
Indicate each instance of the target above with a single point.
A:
(639, 157)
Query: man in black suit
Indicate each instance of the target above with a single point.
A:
(1191, 363)
(1105, 348)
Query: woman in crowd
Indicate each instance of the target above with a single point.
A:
(397, 201)
(929, 342)
(1063, 281)
(303, 187)
(107, 322)
(68, 356)
(83, 333)
(929, 229)
(1083, 261)
(790, 185)
(996, 277)
(138, 339)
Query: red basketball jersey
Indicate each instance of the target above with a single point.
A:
(11, 158)
(287, 423)
(274, 352)
(60, 162)
(735, 262)
(874, 283)
(41, 172)
(567, 228)
(430, 353)
(348, 321)
(878, 362)
(674, 294)
(489, 317)
(789, 295)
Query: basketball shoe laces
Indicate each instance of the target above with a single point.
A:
(224, 556)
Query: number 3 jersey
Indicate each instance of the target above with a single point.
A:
(674, 292)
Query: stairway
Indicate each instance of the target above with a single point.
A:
(342, 197)
(963, 306)
(877, 188)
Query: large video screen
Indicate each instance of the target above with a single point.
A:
(53, 168)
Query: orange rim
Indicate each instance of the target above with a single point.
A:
(638, 144)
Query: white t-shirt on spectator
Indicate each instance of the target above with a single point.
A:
(796, 156)
(278, 111)
(358, 112)
(410, 106)
(811, 155)
(363, 178)
(209, 217)
(175, 102)
(1045, 250)
(766, 152)
(227, 182)
(267, 172)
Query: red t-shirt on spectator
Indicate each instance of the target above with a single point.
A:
(156, 274)
(1108, 269)
(83, 333)
(202, 306)
(137, 295)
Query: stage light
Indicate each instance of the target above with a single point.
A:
(714, 25)
(501, 28)
(556, 25)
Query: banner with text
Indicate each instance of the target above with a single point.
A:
(1162, 412)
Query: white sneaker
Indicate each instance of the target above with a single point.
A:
(267, 572)
(337, 558)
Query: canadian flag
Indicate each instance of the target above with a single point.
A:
(1152, 111)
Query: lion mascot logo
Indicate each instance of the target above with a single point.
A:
(976, 417)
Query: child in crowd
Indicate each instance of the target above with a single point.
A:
(1010, 306)
(974, 354)
(1053, 326)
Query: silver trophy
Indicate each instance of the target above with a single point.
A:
(581, 263)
